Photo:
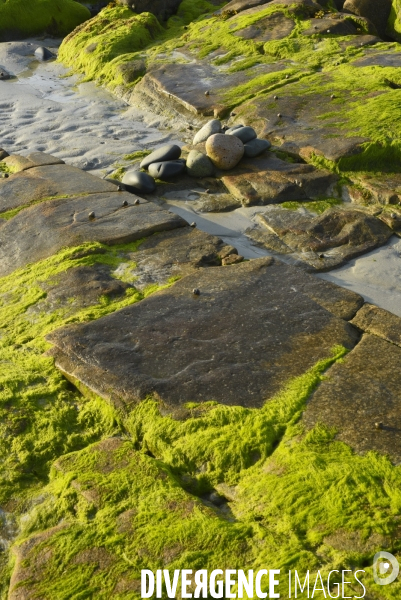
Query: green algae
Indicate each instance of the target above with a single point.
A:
(40, 417)
(297, 500)
(139, 154)
(318, 206)
(56, 17)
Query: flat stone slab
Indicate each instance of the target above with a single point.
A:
(377, 59)
(362, 390)
(48, 181)
(237, 342)
(35, 159)
(43, 229)
(270, 180)
(173, 253)
(377, 321)
(325, 241)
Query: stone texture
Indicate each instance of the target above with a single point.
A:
(273, 27)
(171, 254)
(219, 345)
(270, 180)
(331, 25)
(167, 152)
(199, 165)
(163, 9)
(375, 320)
(48, 181)
(328, 240)
(362, 390)
(225, 151)
(3, 154)
(211, 127)
(40, 231)
(35, 159)
(132, 70)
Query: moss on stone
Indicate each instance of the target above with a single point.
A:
(56, 17)
(317, 207)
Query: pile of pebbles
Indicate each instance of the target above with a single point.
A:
(214, 147)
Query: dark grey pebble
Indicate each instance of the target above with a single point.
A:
(196, 292)
(168, 152)
(138, 182)
(245, 134)
(256, 147)
(166, 169)
(43, 53)
(91, 215)
(234, 128)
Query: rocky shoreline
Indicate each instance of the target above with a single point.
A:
(165, 401)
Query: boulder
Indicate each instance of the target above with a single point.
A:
(377, 11)
(225, 151)
(213, 126)
(132, 70)
(162, 9)
(166, 169)
(138, 182)
(199, 165)
(167, 152)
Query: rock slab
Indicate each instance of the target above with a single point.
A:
(218, 345)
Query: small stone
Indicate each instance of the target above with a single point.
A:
(394, 216)
(332, 96)
(190, 128)
(225, 151)
(211, 127)
(125, 203)
(199, 165)
(275, 97)
(136, 202)
(120, 188)
(379, 425)
(167, 152)
(91, 215)
(193, 224)
(166, 169)
(321, 255)
(207, 93)
(232, 259)
(279, 115)
(256, 147)
(245, 134)
(287, 76)
(233, 114)
(328, 31)
(138, 182)
(234, 128)
(43, 54)
(208, 191)
(196, 292)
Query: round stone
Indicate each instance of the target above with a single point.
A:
(256, 147)
(196, 292)
(199, 165)
(245, 134)
(167, 152)
(225, 151)
(166, 169)
(91, 215)
(43, 54)
(213, 126)
(234, 128)
(138, 182)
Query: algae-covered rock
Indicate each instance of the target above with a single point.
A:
(377, 11)
(162, 9)
(20, 19)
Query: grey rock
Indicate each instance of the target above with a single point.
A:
(4, 74)
(245, 134)
(256, 147)
(138, 182)
(167, 152)
(199, 165)
(166, 169)
(237, 318)
(233, 128)
(3, 154)
(376, 11)
(362, 390)
(35, 159)
(379, 322)
(49, 181)
(43, 54)
(40, 231)
(213, 126)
